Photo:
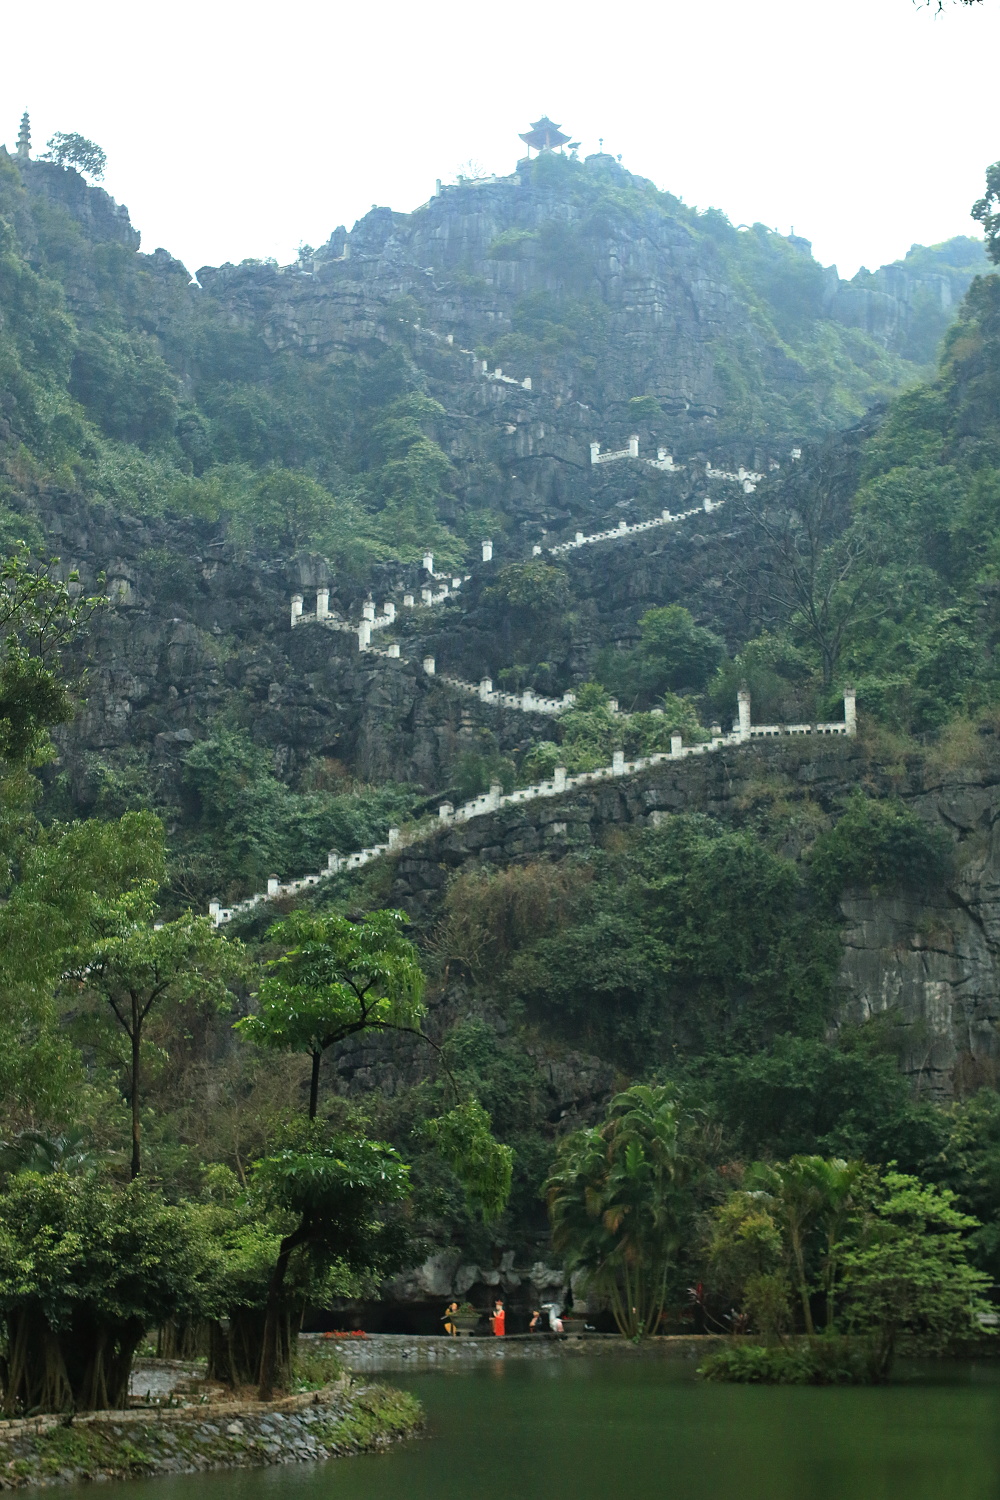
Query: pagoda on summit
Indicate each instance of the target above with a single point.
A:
(24, 138)
(544, 135)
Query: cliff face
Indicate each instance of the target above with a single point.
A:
(929, 964)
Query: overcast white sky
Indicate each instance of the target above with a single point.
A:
(239, 130)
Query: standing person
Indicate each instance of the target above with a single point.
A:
(498, 1319)
(535, 1326)
(450, 1327)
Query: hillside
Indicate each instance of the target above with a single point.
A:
(654, 460)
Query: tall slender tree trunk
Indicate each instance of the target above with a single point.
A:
(317, 1058)
(136, 1035)
(269, 1349)
(800, 1267)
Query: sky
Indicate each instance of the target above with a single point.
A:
(236, 130)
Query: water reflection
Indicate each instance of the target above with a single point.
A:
(644, 1430)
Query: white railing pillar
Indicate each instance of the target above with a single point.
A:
(612, 705)
(322, 603)
(676, 744)
(595, 452)
(618, 763)
(446, 812)
(426, 596)
(364, 635)
(851, 710)
(214, 907)
(487, 551)
(429, 563)
(389, 610)
(296, 609)
(407, 601)
(273, 885)
(393, 837)
(429, 665)
(527, 699)
(485, 687)
(496, 793)
(633, 445)
(559, 778)
(743, 699)
(368, 610)
(394, 649)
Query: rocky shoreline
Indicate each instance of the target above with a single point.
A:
(346, 1418)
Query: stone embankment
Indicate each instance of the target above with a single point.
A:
(397, 1352)
(342, 1419)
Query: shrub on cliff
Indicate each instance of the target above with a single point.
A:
(879, 846)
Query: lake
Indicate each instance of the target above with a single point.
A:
(596, 1429)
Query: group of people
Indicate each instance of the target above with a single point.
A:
(498, 1319)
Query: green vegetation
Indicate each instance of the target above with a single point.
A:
(206, 1135)
(887, 1255)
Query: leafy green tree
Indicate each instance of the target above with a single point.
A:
(73, 150)
(674, 655)
(620, 1202)
(338, 979)
(986, 210)
(134, 965)
(334, 1191)
(39, 618)
(880, 845)
(909, 1272)
(86, 1267)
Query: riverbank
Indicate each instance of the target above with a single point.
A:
(345, 1418)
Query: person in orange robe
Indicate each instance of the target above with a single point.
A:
(498, 1319)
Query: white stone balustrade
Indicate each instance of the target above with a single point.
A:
(495, 799)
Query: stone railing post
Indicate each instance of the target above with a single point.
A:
(851, 710)
(429, 665)
(393, 837)
(496, 793)
(296, 609)
(214, 907)
(485, 687)
(368, 610)
(446, 812)
(559, 778)
(364, 635)
(394, 649)
(273, 884)
(743, 699)
(676, 744)
(595, 452)
(407, 601)
(528, 699)
(618, 763)
(429, 563)
(389, 610)
(612, 705)
(579, 538)
(426, 595)
(333, 861)
(633, 445)
(322, 603)
(487, 551)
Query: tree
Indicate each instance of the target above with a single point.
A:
(39, 617)
(908, 1273)
(86, 1267)
(986, 210)
(334, 1190)
(72, 150)
(673, 655)
(809, 1193)
(135, 965)
(823, 565)
(338, 979)
(619, 1203)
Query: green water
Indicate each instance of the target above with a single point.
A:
(634, 1430)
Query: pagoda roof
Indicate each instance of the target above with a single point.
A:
(544, 135)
